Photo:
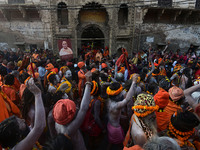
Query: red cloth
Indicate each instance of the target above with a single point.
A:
(197, 74)
(161, 98)
(64, 111)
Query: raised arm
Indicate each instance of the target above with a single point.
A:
(188, 96)
(173, 77)
(129, 94)
(76, 123)
(152, 70)
(40, 119)
(163, 51)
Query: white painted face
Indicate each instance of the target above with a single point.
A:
(68, 74)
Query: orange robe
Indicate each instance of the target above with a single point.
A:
(106, 53)
(11, 93)
(16, 84)
(8, 108)
(21, 90)
(162, 119)
(81, 82)
(171, 108)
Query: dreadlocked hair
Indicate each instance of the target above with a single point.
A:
(9, 132)
(9, 79)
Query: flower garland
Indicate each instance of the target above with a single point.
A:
(149, 109)
(68, 84)
(149, 93)
(114, 92)
(95, 88)
(38, 145)
(50, 75)
(138, 79)
(26, 80)
(3, 95)
(53, 85)
(10, 86)
(178, 134)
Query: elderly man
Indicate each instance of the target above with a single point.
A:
(143, 122)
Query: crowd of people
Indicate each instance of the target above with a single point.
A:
(147, 101)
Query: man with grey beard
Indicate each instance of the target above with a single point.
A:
(143, 121)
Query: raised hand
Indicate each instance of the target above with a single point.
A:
(30, 84)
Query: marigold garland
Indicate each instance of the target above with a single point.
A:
(149, 93)
(95, 88)
(38, 146)
(68, 84)
(26, 80)
(114, 92)
(178, 134)
(3, 95)
(150, 109)
(50, 75)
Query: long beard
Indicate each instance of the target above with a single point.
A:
(149, 127)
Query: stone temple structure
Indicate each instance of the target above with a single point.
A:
(132, 24)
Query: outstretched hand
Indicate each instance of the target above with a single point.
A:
(30, 84)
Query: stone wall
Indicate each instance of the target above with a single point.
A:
(179, 36)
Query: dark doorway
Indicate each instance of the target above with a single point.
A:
(92, 36)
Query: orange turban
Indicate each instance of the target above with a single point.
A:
(64, 111)
(176, 93)
(81, 64)
(49, 66)
(103, 65)
(161, 98)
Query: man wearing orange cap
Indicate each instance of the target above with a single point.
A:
(81, 76)
(67, 122)
(176, 98)
(48, 67)
(161, 99)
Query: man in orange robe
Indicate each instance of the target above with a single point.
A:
(9, 89)
(8, 108)
(162, 100)
(81, 76)
(176, 94)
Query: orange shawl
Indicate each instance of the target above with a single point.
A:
(163, 120)
(8, 108)
(171, 108)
